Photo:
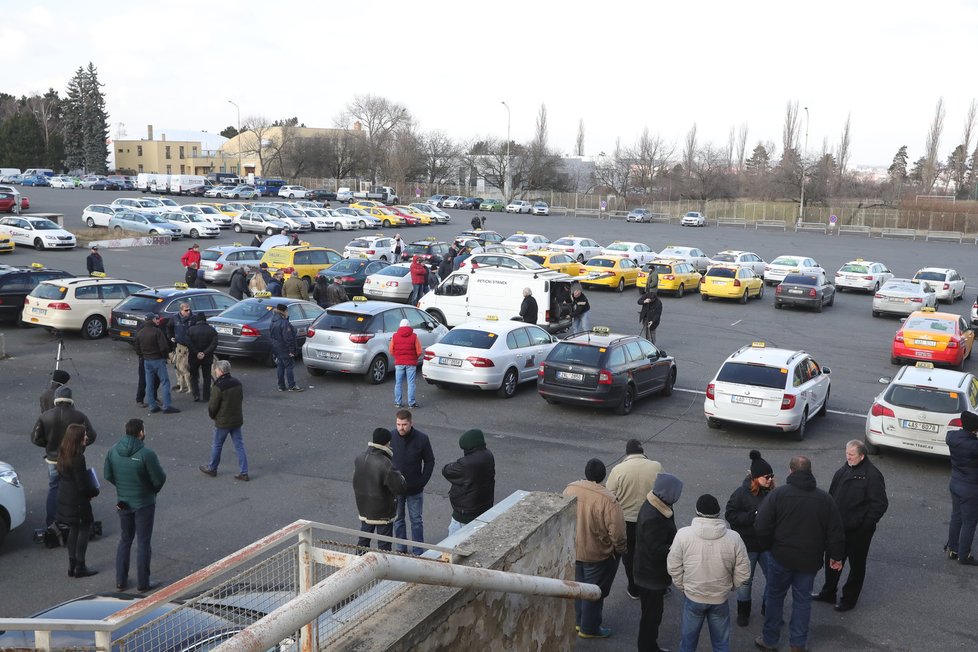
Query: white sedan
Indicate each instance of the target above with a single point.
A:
(524, 242)
(862, 274)
(740, 259)
(321, 220)
(540, 208)
(342, 220)
(192, 225)
(639, 252)
(519, 206)
(38, 232)
(695, 257)
(948, 284)
(580, 248)
(393, 283)
(62, 182)
(209, 213)
(372, 247)
(693, 218)
(777, 269)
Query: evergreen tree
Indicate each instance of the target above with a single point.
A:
(85, 123)
(759, 162)
(230, 132)
(21, 141)
(898, 169)
(72, 122)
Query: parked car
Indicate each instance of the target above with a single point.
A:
(492, 205)
(353, 273)
(519, 206)
(100, 214)
(191, 225)
(471, 203)
(13, 503)
(164, 301)
(292, 192)
(149, 223)
(38, 232)
(243, 329)
(82, 304)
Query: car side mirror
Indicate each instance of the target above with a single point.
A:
(826, 370)
(662, 353)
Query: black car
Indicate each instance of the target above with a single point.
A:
(352, 273)
(430, 251)
(471, 203)
(165, 301)
(321, 194)
(197, 191)
(242, 329)
(805, 290)
(105, 184)
(602, 369)
(483, 236)
(17, 282)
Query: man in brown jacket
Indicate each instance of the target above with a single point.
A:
(600, 542)
(225, 409)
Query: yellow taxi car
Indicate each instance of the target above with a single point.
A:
(939, 337)
(223, 208)
(305, 260)
(6, 244)
(424, 218)
(560, 261)
(675, 276)
(731, 282)
(609, 271)
(364, 204)
(387, 217)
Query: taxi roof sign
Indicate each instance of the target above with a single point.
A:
(492, 317)
(603, 330)
(928, 309)
(37, 266)
(924, 365)
(262, 294)
(97, 274)
(758, 345)
(180, 286)
(359, 298)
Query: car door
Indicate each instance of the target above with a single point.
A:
(639, 367)
(541, 343)
(815, 385)
(420, 321)
(957, 284)
(967, 336)
(661, 367)
(629, 271)
(110, 294)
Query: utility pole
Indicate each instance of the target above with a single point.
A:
(238, 173)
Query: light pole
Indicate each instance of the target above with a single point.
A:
(239, 136)
(509, 119)
(801, 160)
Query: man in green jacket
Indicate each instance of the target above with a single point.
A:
(225, 409)
(137, 475)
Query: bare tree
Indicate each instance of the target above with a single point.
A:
(488, 158)
(649, 154)
(615, 172)
(689, 150)
(440, 155)
(579, 143)
(255, 138)
(380, 118)
(731, 145)
(930, 168)
(711, 178)
(47, 109)
(792, 127)
(404, 160)
(842, 154)
(969, 126)
(741, 146)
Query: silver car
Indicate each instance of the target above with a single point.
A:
(488, 355)
(296, 220)
(253, 222)
(902, 296)
(354, 337)
(220, 262)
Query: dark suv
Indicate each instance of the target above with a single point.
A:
(430, 252)
(17, 282)
(164, 301)
(603, 369)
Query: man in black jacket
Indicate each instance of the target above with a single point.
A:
(651, 313)
(799, 523)
(94, 261)
(415, 460)
(473, 478)
(225, 408)
(580, 307)
(59, 377)
(202, 341)
(239, 284)
(376, 485)
(528, 309)
(962, 445)
(153, 347)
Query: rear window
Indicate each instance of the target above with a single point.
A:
(247, 311)
(925, 398)
(347, 322)
(930, 276)
(416, 249)
(902, 287)
(537, 258)
(141, 303)
(394, 270)
(359, 243)
(661, 269)
(576, 354)
(753, 374)
(855, 269)
(801, 279)
(207, 254)
(784, 260)
(470, 338)
(564, 241)
(601, 262)
(725, 258)
(722, 272)
(943, 326)
(49, 291)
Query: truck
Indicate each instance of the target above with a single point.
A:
(181, 184)
(148, 182)
(384, 194)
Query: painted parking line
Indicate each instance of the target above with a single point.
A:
(840, 412)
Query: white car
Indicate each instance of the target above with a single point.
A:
(519, 206)
(363, 218)
(640, 252)
(777, 269)
(292, 192)
(918, 407)
(524, 242)
(62, 182)
(862, 274)
(138, 204)
(580, 248)
(769, 388)
(693, 218)
(162, 204)
(902, 296)
(488, 355)
(455, 201)
(695, 257)
(319, 218)
(13, 502)
(393, 283)
(504, 261)
(741, 259)
(99, 214)
(948, 284)
(218, 191)
(342, 221)
(38, 232)
(372, 247)
(540, 208)
(192, 225)
(209, 213)
(82, 304)
(437, 214)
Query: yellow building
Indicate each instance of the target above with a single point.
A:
(156, 156)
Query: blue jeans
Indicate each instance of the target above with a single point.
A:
(385, 530)
(717, 617)
(581, 323)
(156, 372)
(454, 526)
(135, 524)
(744, 590)
(52, 503)
(964, 519)
(220, 435)
(602, 573)
(285, 365)
(779, 580)
(417, 291)
(411, 371)
(414, 504)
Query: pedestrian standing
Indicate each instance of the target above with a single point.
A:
(202, 340)
(415, 460)
(265, 274)
(419, 280)
(599, 540)
(740, 514)
(319, 291)
(651, 313)
(138, 477)
(654, 531)
(152, 346)
(482, 221)
(476, 223)
(275, 286)
(225, 408)
(59, 377)
(473, 480)
(256, 283)
(706, 561)
(285, 348)
(579, 311)
(405, 348)
(191, 256)
(445, 266)
(257, 240)
(76, 488)
(528, 308)
(176, 331)
(294, 287)
(631, 481)
(141, 371)
(94, 262)
(335, 293)
(963, 447)
(376, 486)
(190, 275)
(801, 523)
(239, 284)
(398, 247)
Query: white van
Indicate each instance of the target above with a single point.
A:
(9, 172)
(36, 172)
(147, 182)
(180, 184)
(496, 293)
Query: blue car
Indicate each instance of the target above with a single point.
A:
(38, 180)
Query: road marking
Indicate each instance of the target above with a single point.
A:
(736, 322)
(840, 412)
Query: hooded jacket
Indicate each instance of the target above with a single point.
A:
(376, 483)
(135, 471)
(860, 494)
(631, 481)
(473, 479)
(239, 284)
(224, 408)
(963, 446)
(50, 427)
(75, 493)
(741, 512)
(707, 560)
(414, 458)
(282, 335)
(600, 522)
(419, 273)
(405, 346)
(654, 531)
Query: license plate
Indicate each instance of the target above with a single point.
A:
(39, 311)
(567, 375)
(794, 291)
(128, 322)
(923, 354)
(746, 400)
(452, 362)
(224, 330)
(925, 342)
(327, 355)
(917, 425)
(125, 333)
(716, 282)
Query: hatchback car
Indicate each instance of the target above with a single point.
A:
(559, 261)
(430, 250)
(436, 213)
(353, 273)
(453, 201)
(488, 355)
(693, 218)
(675, 276)
(741, 259)
(580, 248)
(192, 226)
(948, 284)
(604, 369)
(524, 242)
(38, 232)
(938, 337)
(767, 387)
(82, 304)
(777, 269)
(243, 328)
(13, 503)
(862, 274)
(99, 214)
(62, 182)
(304, 260)
(639, 215)
(519, 206)
(354, 337)
(148, 223)
(165, 301)
(492, 205)
(220, 262)
(901, 296)
(17, 282)
(729, 282)
(471, 203)
(610, 272)
(813, 291)
(695, 257)
(392, 283)
(482, 235)
(9, 198)
(637, 251)
(436, 200)
(373, 247)
(253, 222)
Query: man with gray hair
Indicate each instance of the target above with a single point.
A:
(528, 309)
(225, 409)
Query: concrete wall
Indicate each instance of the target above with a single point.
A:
(535, 536)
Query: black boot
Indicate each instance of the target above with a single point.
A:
(71, 567)
(83, 571)
(743, 613)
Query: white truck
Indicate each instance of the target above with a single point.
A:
(180, 184)
(384, 194)
(146, 182)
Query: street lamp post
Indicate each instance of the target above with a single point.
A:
(239, 136)
(509, 118)
(801, 160)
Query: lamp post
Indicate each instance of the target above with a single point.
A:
(239, 136)
(801, 160)
(509, 118)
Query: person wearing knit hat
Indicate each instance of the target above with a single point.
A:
(631, 480)
(473, 480)
(600, 540)
(58, 378)
(963, 447)
(707, 560)
(376, 485)
(740, 513)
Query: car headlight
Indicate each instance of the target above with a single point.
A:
(10, 476)
(50, 237)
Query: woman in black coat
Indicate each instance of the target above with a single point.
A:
(75, 492)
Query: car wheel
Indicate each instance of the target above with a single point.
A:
(90, 222)
(510, 381)
(363, 224)
(93, 328)
(760, 293)
(4, 527)
(667, 389)
(876, 313)
(154, 232)
(194, 233)
(580, 258)
(38, 244)
(315, 371)
(743, 297)
(703, 296)
(440, 317)
(384, 258)
(291, 195)
(386, 224)
(118, 228)
(840, 289)
(268, 231)
(822, 411)
(831, 301)
(627, 400)
(712, 423)
(237, 229)
(778, 305)
(377, 371)
(621, 285)
(799, 432)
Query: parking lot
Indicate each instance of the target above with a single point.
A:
(301, 446)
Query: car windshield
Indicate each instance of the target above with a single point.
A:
(925, 398)
(394, 270)
(141, 303)
(44, 225)
(469, 338)
(169, 202)
(672, 251)
(416, 249)
(248, 311)
(855, 269)
(721, 272)
(565, 242)
(359, 244)
(785, 260)
(725, 258)
(193, 217)
(601, 262)
(155, 219)
(618, 246)
(209, 210)
(753, 374)
(692, 214)
(571, 353)
(150, 203)
(517, 238)
(943, 326)
(289, 212)
(930, 276)
(801, 279)
(348, 266)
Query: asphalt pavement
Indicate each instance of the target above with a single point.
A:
(301, 446)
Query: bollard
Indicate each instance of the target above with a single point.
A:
(3, 348)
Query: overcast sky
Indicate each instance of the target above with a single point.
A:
(619, 66)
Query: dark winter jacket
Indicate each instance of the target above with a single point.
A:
(177, 327)
(799, 523)
(274, 287)
(445, 266)
(335, 294)
(224, 408)
(319, 291)
(654, 531)
(239, 285)
(190, 277)
(473, 478)
(414, 458)
(405, 346)
(651, 312)
(75, 493)
(741, 512)
(50, 427)
(295, 288)
(579, 305)
(202, 338)
(150, 342)
(376, 484)
(282, 335)
(94, 263)
(47, 396)
(135, 471)
(860, 494)
(964, 461)
(528, 310)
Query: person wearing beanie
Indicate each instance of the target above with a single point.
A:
(285, 348)
(600, 541)
(650, 313)
(859, 491)
(473, 480)
(631, 480)
(58, 378)
(705, 562)
(963, 447)
(405, 348)
(48, 432)
(376, 485)
(654, 531)
(740, 514)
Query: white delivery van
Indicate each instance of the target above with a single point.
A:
(9, 172)
(497, 293)
(180, 184)
(36, 172)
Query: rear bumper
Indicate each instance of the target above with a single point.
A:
(605, 396)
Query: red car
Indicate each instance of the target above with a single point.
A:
(409, 219)
(7, 202)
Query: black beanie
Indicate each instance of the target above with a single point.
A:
(969, 421)
(594, 471)
(634, 447)
(708, 506)
(758, 465)
(382, 436)
(60, 376)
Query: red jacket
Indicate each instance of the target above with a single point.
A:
(190, 256)
(419, 273)
(405, 346)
